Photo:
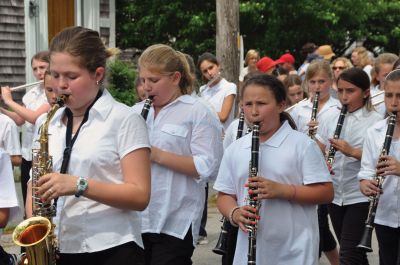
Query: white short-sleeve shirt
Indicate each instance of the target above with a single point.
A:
(287, 232)
(33, 99)
(8, 194)
(301, 114)
(345, 182)
(9, 136)
(215, 95)
(388, 212)
(186, 127)
(112, 131)
(231, 133)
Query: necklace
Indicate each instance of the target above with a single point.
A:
(76, 116)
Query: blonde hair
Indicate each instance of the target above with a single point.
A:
(318, 66)
(250, 54)
(164, 60)
(347, 62)
(364, 57)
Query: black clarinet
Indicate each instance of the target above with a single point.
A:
(365, 242)
(252, 198)
(146, 107)
(240, 125)
(330, 156)
(222, 244)
(314, 112)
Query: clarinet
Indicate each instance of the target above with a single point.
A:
(252, 198)
(222, 247)
(330, 156)
(240, 125)
(365, 242)
(146, 107)
(314, 112)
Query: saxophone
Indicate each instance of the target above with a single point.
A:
(36, 234)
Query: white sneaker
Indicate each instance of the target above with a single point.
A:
(15, 259)
(202, 240)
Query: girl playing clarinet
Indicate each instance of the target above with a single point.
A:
(387, 218)
(349, 208)
(185, 136)
(287, 185)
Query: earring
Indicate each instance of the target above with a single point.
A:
(97, 82)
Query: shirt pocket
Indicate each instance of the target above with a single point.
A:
(175, 130)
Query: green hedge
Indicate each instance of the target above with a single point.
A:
(121, 81)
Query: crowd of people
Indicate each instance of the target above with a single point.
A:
(129, 189)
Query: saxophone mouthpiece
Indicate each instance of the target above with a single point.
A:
(61, 100)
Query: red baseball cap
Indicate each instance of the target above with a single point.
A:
(265, 63)
(286, 58)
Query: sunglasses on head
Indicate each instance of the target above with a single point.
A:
(338, 67)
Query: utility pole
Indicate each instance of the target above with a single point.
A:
(227, 38)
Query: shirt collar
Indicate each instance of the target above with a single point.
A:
(381, 125)
(276, 139)
(360, 113)
(102, 106)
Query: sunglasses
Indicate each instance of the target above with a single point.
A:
(338, 68)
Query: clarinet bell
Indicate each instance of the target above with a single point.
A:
(221, 246)
(366, 239)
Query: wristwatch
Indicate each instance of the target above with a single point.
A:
(81, 186)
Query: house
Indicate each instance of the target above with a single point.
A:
(27, 26)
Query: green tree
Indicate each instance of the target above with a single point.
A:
(121, 81)
(186, 25)
(271, 26)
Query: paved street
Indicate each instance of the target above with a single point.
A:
(203, 254)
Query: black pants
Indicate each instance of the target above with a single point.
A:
(128, 253)
(348, 221)
(162, 249)
(389, 244)
(25, 168)
(326, 240)
(231, 245)
(202, 231)
(4, 257)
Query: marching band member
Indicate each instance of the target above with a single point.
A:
(185, 136)
(107, 147)
(34, 105)
(349, 208)
(218, 91)
(287, 185)
(387, 218)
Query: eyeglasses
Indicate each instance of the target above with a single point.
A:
(338, 68)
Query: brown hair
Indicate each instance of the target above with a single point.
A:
(384, 58)
(318, 66)
(84, 44)
(165, 60)
(43, 56)
(360, 79)
(273, 84)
